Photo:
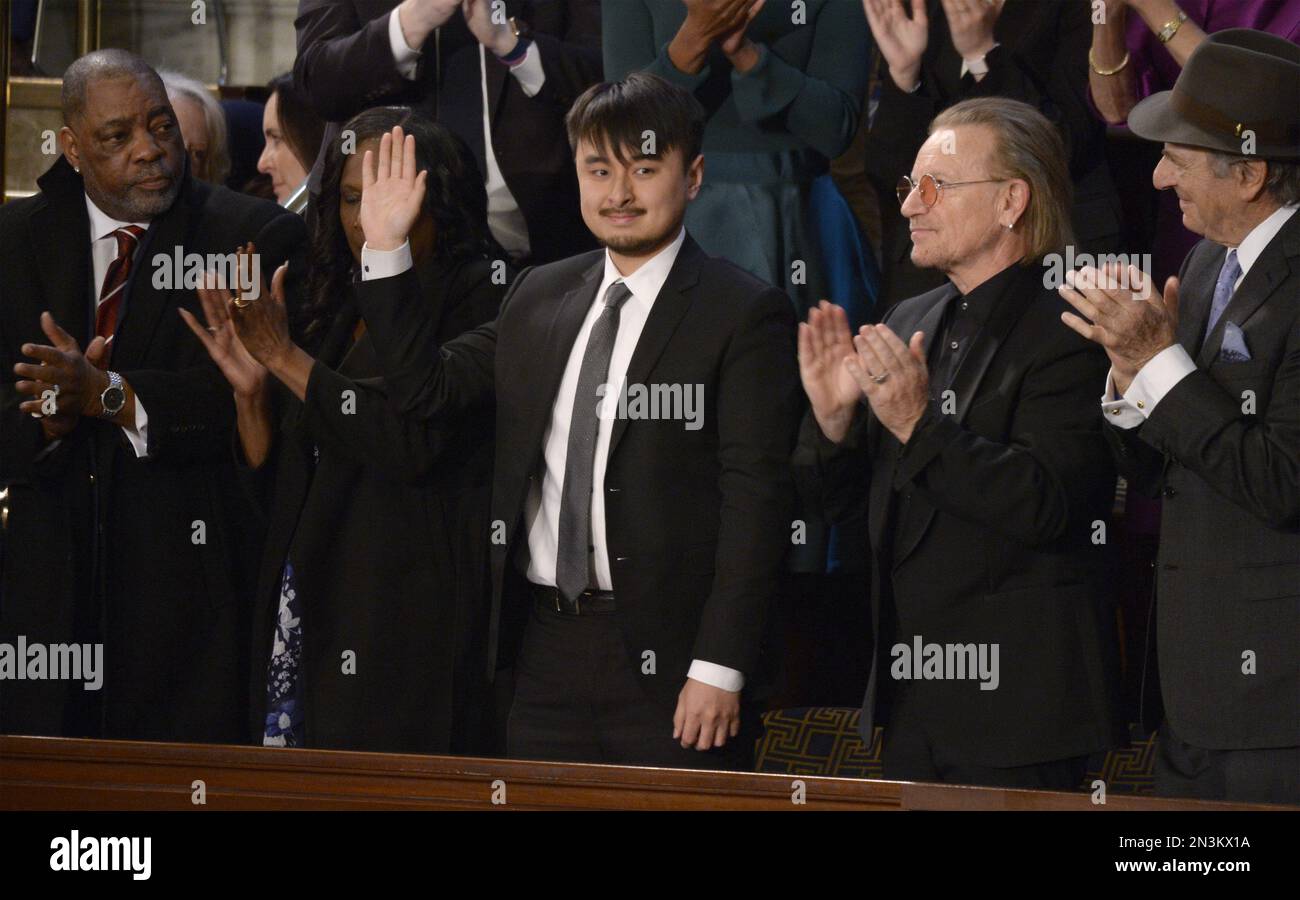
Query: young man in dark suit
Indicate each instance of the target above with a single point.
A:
(641, 543)
(121, 524)
(500, 75)
(1202, 406)
(976, 449)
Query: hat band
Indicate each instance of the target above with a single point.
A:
(1210, 118)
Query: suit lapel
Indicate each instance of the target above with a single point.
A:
(965, 383)
(146, 304)
(555, 348)
(1194, 300)
(669, 307)
(1264, 277)
(61, 240)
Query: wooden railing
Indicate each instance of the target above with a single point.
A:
(61, 773)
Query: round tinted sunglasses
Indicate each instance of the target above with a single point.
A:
(929, 187)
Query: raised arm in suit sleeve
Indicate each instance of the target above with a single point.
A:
(191, 412)
(569, 49)
(1036, 486)
(820, 106)
(370, 429)
(343, 64)
(426, 380)
(758, 415)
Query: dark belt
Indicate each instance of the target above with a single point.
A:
(589, 602)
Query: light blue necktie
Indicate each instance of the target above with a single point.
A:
(1228, 276)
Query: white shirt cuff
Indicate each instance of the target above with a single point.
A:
(965, 66)
(529, 72)
(716, 675)
(406, 59)
(139, 436)
(1157, 378)
(385, 263)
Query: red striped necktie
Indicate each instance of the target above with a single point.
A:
(119, 270)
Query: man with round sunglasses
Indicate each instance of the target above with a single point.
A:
(966, 423)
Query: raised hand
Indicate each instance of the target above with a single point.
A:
(392, 192)
(497, 37)
(902, 40)
(970, 22)
(732, 41)
(825, 348)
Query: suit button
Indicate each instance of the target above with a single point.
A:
(1168, 491)
(613, 490)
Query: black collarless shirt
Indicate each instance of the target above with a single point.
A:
(965, 315)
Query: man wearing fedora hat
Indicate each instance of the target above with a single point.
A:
(1203, 407)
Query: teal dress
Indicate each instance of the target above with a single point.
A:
(771, 131)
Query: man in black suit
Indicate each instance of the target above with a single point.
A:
(1203, 409)
(952, 50)
(645, 533)
(523, 62)
(120, 513)
(985, 475)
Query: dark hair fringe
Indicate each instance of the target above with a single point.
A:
(616, 115)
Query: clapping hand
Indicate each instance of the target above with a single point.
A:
(902, 40)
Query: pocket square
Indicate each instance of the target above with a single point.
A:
(1233, 349)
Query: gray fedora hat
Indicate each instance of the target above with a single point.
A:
(1239, 87)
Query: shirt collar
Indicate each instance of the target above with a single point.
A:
(102, 224)
(1253, 244)
(983, 296)
(646, 282)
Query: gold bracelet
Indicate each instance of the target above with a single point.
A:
(1092, 61)
(1166, 34)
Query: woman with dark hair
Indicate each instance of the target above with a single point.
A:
(367, 623)
(293, 132)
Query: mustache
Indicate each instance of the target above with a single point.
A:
(152, 173)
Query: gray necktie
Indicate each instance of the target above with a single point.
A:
(575, 499)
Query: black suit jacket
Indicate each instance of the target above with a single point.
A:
(697, 522)
(345, 65)
(1042, 61)
(994, 542)
(385, 530)
(99, 545)
(1223, 450)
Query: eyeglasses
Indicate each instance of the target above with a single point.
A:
(929, 187)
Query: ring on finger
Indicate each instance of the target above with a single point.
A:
(881, 378)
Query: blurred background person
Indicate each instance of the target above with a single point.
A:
(935, 53)
(783, 99)
(292, 131)
(203, 126)
(782, 102)
(1138, 49)
(376, 542)
(501, 76)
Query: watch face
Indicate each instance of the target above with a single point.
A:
(113, 399)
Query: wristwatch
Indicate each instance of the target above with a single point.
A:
(113, 398)
(522, 32)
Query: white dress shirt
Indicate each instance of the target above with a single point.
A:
(1172, 364)
(505, 219)
(542, 507)
(103, 250)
